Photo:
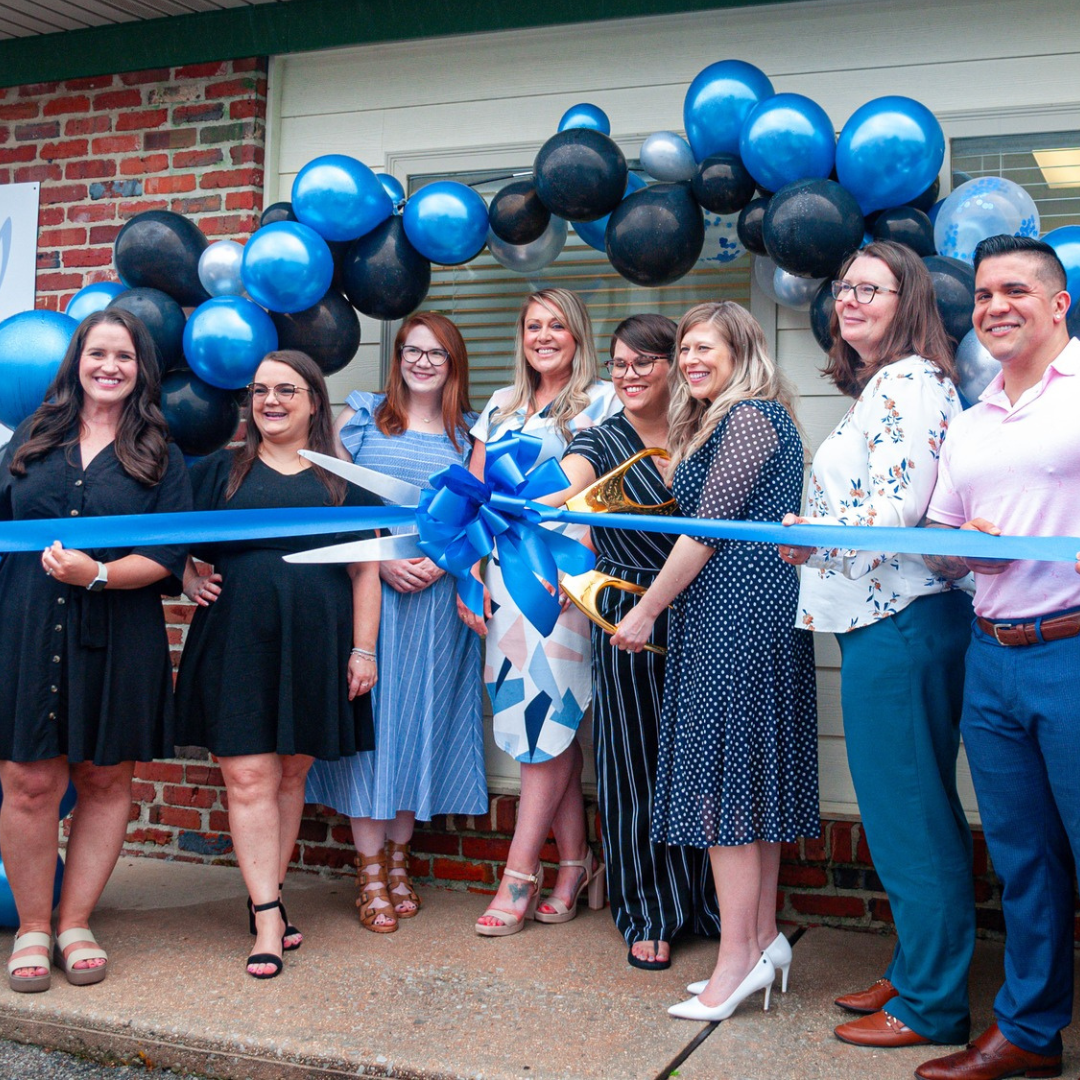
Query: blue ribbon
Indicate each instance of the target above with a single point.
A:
(461, 520)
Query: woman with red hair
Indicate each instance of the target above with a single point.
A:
(429, 746)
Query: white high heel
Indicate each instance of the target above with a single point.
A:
(760, 977)
(779, 952)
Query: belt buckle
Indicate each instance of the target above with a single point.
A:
(997, 627)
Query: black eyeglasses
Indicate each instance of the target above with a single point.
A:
(864, 292)
(283, 391)
(640, 365)
(412, 355)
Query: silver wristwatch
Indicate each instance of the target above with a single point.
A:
(101, 580)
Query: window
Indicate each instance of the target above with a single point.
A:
(483, 297)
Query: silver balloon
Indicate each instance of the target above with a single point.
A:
(667, 156)
(794, 292)
(975, 367)
(219, 268)
(528, 258)
(765, 275)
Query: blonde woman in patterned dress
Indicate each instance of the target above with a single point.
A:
(540, 687)
(902, 632)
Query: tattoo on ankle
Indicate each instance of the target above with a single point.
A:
(518, 892)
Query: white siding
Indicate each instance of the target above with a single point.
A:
(490, 100)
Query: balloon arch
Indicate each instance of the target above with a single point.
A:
(350, 241)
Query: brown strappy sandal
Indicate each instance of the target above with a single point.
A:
(401, 888)
(372, 887)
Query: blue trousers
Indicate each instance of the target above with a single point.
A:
(1021, 728)
(902, 684)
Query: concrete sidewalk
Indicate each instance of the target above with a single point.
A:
(434, 1001)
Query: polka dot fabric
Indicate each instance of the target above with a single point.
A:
(738, 736)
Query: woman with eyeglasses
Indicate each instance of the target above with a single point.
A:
(87, 679)
(429, 738)
(903, 632)
(540, 687)
(280, 658)
(654, 890)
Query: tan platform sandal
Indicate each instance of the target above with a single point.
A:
(372, 888)
(80, 976)
(401, 888)
(593, 871)
(509, 922)
(31, 984)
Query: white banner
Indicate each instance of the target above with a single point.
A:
(18, 247)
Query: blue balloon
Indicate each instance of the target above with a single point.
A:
(339, 197)
(287, 267)
(717, 104)
(889, 152)
(593, 232)
(585, 115)
(446, 222)
(1066, 242)
(786, 138)
(986, 206)
(32, 344)
(93, 297)
(392, 187)
(225, 338)
(934, 210)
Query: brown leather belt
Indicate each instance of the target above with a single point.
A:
(1054, 629)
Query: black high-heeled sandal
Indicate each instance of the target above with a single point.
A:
(290, 930)
(264, 957)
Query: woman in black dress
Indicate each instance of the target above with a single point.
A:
(280, 657)
(87, 677)
(738, 734)
(655, 890)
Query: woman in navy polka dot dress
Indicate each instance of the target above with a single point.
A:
(738, 742)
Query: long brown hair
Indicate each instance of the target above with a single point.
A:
(916, 328)
(574, 397)
(754, 377)
(142, 436)
(392, 416)
(320, 429)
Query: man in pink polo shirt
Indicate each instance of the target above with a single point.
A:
(1011, 464)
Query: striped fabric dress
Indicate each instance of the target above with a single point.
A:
(654, 890)
(429, 743)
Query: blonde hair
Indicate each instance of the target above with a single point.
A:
(574, 397)
(755, 376)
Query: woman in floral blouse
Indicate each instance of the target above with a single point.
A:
(902, 634)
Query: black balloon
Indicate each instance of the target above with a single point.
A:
(329, 332)
(821, 309)
(163, 317)
(201, 418)
(655, 235)
(810, 226)
(158, 249)
(928, 197)
(580, 174)
(722, 185)
(751, 219)
(279, 211)
(954, 291)
(517, 215)
(384, 275)
(907, 226)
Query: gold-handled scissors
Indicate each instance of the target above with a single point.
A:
(584, 590)
(608, 494)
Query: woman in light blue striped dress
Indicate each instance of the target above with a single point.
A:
(429, 744)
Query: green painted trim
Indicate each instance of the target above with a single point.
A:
(299, 26)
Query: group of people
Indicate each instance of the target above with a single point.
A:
(358, 686)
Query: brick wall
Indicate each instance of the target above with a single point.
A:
(188, 139)
(191, 140)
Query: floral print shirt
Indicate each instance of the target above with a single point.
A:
(878, 467)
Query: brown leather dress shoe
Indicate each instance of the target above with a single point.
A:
(990, 1057)
(879, 1029)
(871, 1000)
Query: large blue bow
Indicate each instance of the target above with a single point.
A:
(460, 520)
